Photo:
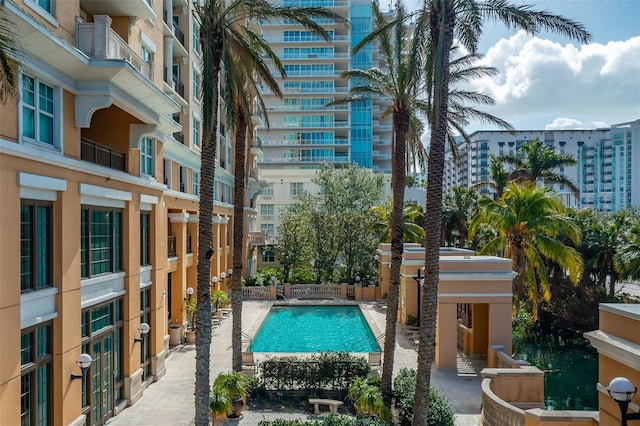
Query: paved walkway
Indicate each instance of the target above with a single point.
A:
(170, 401)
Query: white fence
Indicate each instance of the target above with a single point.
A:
(313, 291)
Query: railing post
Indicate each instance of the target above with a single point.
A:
(102, 30)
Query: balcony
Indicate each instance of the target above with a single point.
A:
(179, 34)
(171, 246)
(179, 136)
(102, 155)
(93, 45)
(258, 238)
(142, 9)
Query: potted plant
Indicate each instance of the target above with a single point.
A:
(237, 387)
(219, 299)
(190, 334)
(219, 404)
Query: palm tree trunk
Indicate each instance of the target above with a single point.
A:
(238, 240)
(401, 128)
(442, 20)
(205, 242)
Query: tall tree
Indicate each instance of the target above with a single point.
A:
(499, 177)
(224, 33)
(440, 19)
(529, 221)
(9, 54)
(411, 214)
(459, 207)
(536, 162)
(403, 86)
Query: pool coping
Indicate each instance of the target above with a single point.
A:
(364, 308)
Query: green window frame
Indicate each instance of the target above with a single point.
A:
(145, 316)
(36, 355)
(100, 241)
(266, 209)
(38, 111)
(35, 245)
(145, 238)
(147, 157)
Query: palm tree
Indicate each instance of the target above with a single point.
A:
(9, 52)
(499, 177)
(536, 162)
(412, 231)
(402, 86)
(223, 36)
(529, 220)
(440, 19)
(459, 207)
(627, 258)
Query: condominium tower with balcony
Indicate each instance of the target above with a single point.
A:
(603, 174)
(304, 132)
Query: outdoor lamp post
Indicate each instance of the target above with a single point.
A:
(622, 391)
(143, 328)
(420, 282)
(214, 280)
(84, 362)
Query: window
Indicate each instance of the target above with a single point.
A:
(183, 179)
(268, 256)
(268, 190)
(147, 157)
(195, 38)
(269, 227)
(145, 238)
(100, 241)
(35, 245)
(36, 375)
(196, 132)
(296, 188)
(196, 85)
(146, 54)
(196, 183)
(38, 111)
(266, 209)
(145, 316)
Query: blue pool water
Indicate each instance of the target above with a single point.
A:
(314, 329)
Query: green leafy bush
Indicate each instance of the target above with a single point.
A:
(332, 371)
(404, 386)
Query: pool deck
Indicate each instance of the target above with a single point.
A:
(170, 400)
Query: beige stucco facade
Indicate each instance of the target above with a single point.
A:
(481, 283)
(618, 344)
(99, 177)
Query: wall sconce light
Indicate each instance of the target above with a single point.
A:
(376, 258)
(143, 328)
(229, 273)
(214, 280)
(223, 275)
(84, 362)
(190, 292)
(622, 391)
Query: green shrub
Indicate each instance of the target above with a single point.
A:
(301, 276)
(404, 386)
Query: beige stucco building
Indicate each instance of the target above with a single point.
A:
(99, 176)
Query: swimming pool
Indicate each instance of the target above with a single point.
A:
(314, 329)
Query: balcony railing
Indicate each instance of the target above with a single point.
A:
(179, 136)
(91, 43)
(178, 86)
(102, 155)
(171, 246)
(179, 34)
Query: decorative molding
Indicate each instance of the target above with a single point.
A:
(616, 348)
(37, 187)
(137, 131)
(86, 105)
(101, 196)
(178, 217)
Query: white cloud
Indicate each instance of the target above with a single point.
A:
(541, 81)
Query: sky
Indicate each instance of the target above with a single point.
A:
(551, 82)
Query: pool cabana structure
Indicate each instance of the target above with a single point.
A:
(474, 299)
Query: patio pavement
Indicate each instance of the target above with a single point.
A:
(170, 400)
